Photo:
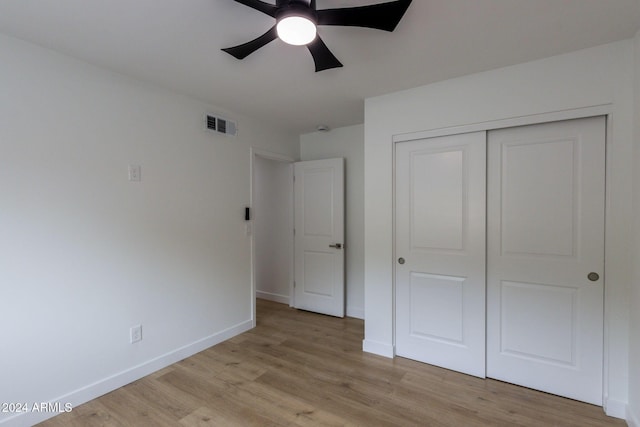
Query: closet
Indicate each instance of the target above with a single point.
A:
(499, 246)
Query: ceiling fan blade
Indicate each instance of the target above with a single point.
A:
(322, 56)
(383, 16)
(261, 6)
(246, 49)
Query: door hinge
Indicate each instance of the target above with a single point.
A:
(294, 284)
(294, 231)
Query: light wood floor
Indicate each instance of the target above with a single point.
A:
(302, 369)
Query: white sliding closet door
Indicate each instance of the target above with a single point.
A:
(440, 250)
(546, 194)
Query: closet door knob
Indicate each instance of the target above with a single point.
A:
(593, 277)
(400, 260)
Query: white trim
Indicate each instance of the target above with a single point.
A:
(633, 420)
(615, 408)
(380, 348)
(282, 299)
(355, 312)
(578, 113)
(292, 219)
(394, 253)
(606, 335)
(271, 155)
(106, 385)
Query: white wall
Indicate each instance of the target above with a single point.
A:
(347, 142)
(597, 76)
(85, 254)
(633, 415)
(273, 228)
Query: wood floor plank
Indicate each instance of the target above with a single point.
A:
(304, 369)
(158, 397)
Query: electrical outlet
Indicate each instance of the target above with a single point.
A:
(135, 333)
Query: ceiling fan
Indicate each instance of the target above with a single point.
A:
(296, 22)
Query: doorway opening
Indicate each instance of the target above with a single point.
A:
(271, 227)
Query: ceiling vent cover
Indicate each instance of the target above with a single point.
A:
(220, 125)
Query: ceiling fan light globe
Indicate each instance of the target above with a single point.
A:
(296, 30)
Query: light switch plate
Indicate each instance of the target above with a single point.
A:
(135, 173)
(135, 334)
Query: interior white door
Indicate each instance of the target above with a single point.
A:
(319, 236)
(546, 197)
(440, 246)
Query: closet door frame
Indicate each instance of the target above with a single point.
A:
(600, 110)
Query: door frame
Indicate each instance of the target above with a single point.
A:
(605, 110)
(268, 155)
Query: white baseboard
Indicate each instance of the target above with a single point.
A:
(127, 376)
(355, 312)
(633, 418)
(615, 408)
(283, 299)
(379, 348)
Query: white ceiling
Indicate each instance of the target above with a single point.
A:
(176, 44)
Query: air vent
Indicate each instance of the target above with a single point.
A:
(211, 123)
(220, 125)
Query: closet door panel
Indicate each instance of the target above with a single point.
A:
(545, 256)
(440, 248)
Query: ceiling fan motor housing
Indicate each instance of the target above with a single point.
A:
(297, 8)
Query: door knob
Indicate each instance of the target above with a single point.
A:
(593, 277)
(400, 260)
(337, 246)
